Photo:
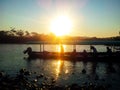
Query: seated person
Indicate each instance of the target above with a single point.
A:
(109, 51)
(85, 53)
(74, 50)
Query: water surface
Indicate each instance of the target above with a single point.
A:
(64, 71)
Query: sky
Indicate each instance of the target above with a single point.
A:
(92, 18)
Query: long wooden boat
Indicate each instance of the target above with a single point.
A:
(80, 56)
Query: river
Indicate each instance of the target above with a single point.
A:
(65, 72)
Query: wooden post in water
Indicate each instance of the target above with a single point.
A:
(40, 47)
(113, 48)
(43, 47)
(74, 46)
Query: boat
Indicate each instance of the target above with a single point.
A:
(76, 56)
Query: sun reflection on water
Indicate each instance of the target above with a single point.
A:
(59, 68)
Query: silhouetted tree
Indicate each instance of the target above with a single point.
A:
(3, 33)
(27, 33)
(20, 33)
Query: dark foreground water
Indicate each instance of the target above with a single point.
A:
(64, 72)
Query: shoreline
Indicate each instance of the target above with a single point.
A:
(22, 81)
(82, 42)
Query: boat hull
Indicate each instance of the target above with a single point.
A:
(78, 56)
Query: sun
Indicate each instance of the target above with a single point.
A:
(61, 25)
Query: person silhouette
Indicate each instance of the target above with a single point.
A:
(85, 53)
(28, 51)
(109, 51)
(61, 49)
(94, 50)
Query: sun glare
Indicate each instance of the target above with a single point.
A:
(62, 25)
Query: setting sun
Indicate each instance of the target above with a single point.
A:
(61, 25)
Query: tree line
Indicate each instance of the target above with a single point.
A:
(21, 36)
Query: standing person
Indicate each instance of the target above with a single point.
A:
(94, 51)
(61, 49)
